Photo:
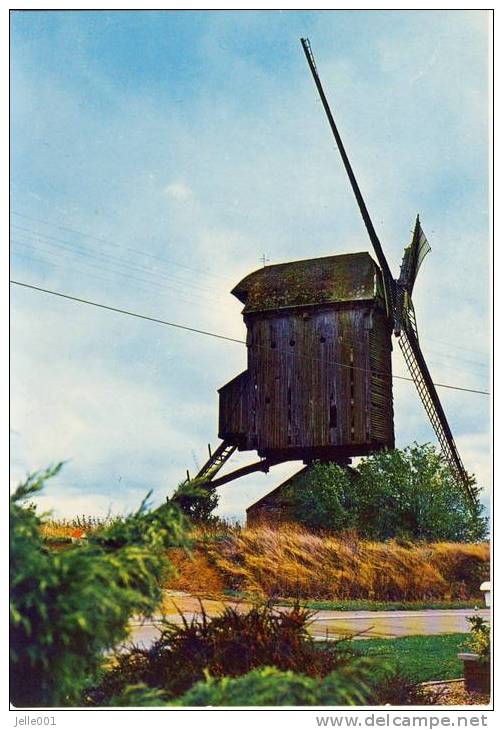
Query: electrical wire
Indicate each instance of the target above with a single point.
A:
(98, 271)
(189, 268)
(219, 336)
(100, 255)
(50, 249)
(109, 242)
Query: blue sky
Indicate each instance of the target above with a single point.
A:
(157, 155)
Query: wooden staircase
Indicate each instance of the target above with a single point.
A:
(215, 462)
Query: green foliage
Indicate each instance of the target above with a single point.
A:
(196, 501)
(409, 493)
(321, 498)
(230, 644)
(479, 641)
(137, 695)
(353, 684)
(69, 607)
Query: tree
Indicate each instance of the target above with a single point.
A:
(69, 607)
(407, 492)
(321, 498)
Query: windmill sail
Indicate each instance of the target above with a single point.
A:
(413, 258)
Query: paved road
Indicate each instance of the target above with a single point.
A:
(331, 624)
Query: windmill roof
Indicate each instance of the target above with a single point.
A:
(344, 278)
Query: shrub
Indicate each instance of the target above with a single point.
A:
(407, 492)
(357, 683)
(479, 640)
(137, 695)
(230, 644)
(196, 500)
(69, 607)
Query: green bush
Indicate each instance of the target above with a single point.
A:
(137, 695)
(479, 640)
(408, 493)
(196, 501)
(230, 644)
(69, 607)
(353, 684)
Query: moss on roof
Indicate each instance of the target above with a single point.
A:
(344, 278)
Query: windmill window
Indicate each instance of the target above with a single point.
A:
(323, 339)
(292, 342)
(333, 416)
(273, 345)
(267, 400)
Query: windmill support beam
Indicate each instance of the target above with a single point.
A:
(262, 465)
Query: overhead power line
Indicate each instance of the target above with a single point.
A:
(121, 247)
(137, 315)
(171, 262)
(181, 294)
(125, 311)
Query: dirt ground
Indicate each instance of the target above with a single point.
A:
(454, 693)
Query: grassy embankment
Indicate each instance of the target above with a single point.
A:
(327, 571)
(322, 571)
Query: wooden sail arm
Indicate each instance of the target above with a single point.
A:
(389, 282)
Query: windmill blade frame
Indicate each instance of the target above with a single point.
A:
(414, 358)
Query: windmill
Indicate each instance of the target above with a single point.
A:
(319, 338)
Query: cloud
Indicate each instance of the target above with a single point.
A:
(178, 191)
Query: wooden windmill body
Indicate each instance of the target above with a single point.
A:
(317, 335)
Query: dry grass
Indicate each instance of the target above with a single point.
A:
(194, 573)
(76, 528)
(57, 531)
(289, 561)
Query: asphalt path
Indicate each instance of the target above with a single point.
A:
(324, 624)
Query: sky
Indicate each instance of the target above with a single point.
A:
(156, 156)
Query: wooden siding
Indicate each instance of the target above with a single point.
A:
(381, 413)
(309, 384)
(233, 419)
